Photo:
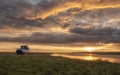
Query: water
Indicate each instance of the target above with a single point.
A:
(90, 57)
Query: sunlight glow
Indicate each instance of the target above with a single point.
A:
(90, 49)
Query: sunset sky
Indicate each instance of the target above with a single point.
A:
(61, 24)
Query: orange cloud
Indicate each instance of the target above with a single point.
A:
(82, 4)
(55, 10)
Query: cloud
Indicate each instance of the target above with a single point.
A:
(93, 31)
(34, 2)
(47, 8)
(60, 21)
(58, 38)
(38, 37)
(22, 13)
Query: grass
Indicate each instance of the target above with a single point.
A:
(43, 64)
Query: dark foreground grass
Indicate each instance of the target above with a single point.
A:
(43, 64)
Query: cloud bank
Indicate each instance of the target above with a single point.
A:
(60, 21)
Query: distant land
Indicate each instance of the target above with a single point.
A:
(98, 53)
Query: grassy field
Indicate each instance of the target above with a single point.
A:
(43, 64)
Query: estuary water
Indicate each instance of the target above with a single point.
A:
(115, 58)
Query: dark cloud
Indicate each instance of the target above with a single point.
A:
(13, 13)
(99, 18)
(38, 37)
(106, 34)
(93, 31)
(13, 8)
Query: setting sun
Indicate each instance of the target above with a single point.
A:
(90, 49)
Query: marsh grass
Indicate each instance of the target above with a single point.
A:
(43, 64)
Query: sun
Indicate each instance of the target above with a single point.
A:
(90, 49)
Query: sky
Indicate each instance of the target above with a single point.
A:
(60, 21)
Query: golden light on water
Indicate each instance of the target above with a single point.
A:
(85, 57)
(88, 57)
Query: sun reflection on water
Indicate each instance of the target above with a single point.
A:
(91, 57)
(88, 57)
